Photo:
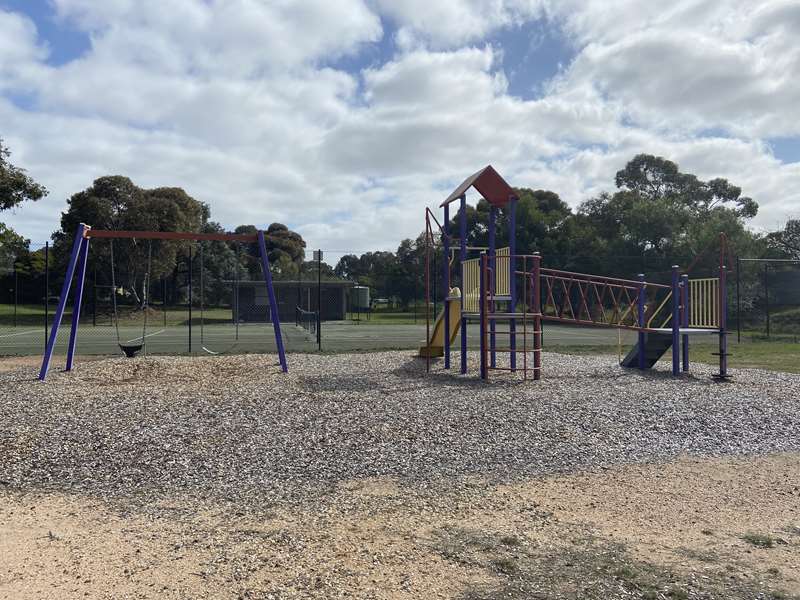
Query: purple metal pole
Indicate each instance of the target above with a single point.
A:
(685, 320)
(482, 308)
(641, 319)
(76, 308)
(676, 323)
(512, 266)
(273, 303)
(446, 285)
(723, 322)
(463, 257)
(62, 302)
(492, 263)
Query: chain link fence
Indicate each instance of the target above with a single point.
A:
(211, 299)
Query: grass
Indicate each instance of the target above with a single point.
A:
(759, 540)
(772, 355)
(32, 315)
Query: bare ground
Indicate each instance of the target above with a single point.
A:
(691, 528)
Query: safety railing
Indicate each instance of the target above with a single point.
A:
(585, 299)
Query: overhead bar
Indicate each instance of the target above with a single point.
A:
(171, 235)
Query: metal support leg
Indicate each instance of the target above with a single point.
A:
(273, 304)
(76, 309)
(62, 301)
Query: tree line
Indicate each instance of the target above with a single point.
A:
(657, 216)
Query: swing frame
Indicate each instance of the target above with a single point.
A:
(77, 263)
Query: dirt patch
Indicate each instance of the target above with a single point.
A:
(689, 529)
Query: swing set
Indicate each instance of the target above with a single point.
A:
(131, 348)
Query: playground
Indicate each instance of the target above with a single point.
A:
(469, 455)
(223, 475)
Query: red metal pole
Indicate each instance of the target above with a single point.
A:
(537, 317)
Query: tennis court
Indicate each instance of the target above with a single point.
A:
(226, 338)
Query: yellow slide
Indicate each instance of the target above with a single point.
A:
(436, 344)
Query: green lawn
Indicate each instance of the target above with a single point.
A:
(33, 315)
(772, 355)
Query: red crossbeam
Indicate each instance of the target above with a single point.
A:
(172, 235)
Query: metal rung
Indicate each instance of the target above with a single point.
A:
(509, 350)
(525, 370)
(519, 332)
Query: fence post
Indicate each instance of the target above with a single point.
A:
(738, 302)
(676, 324)
(319, 300)
(766, 294)
(16, 287)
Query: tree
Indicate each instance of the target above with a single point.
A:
(285, 250)
(787, 240)
(15, 185)
(116, 203)
(661, 216)
(12, 246)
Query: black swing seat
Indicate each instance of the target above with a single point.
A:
(131, 351)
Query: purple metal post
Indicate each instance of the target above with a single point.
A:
(482, 306)
(446, 284)
(676, 322)
(463, 257)
(723, 322)
(273, 303)
(685, 320)
(492, 264)
(512, 283)
(641, 319)
(76, 308)
(62, 301)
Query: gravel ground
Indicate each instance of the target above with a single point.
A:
(236, 429)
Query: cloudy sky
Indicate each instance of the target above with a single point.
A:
(344, 118)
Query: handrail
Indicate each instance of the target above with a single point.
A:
(602, 278)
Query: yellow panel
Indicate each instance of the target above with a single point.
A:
(502, 285)
(704, 302)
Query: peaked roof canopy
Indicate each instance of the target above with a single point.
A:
(489, 185)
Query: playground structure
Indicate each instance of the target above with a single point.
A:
(76, 268)
(502, 286)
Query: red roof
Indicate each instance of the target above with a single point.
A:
(489, 184)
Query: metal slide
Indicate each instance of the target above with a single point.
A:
(436, 344)
(655, 346)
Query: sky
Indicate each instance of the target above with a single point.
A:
(344, 119)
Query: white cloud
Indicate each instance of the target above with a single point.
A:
(233, 102)
(695, 67)
(448, 23)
